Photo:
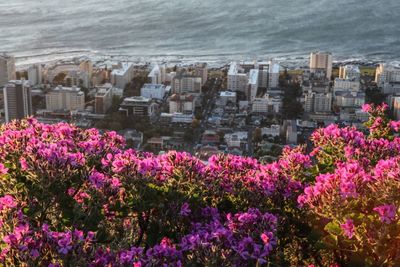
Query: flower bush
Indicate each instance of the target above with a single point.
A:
(74, 197)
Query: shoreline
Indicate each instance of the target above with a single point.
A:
(214, 61)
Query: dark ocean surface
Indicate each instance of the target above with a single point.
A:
(210, 30)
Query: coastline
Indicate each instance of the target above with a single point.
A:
(214, 61)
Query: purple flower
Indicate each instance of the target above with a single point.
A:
(185, 210)
(387, 213)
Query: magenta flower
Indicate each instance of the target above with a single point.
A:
(387, 213)
(7, 202)
(348, 228)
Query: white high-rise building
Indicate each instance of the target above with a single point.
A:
(386, 73)
(7, 69)
(321, 61)
(186, 84)
(251, 92)
(201, 70)
(17, 100)
(65, 98)
(237, 79)
(155, 91)
(35, 74)
(157, 75)
(273, 75)
(122, 75)
(349, 72)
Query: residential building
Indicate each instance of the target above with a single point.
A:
(321, 61)
(237, 78)
(184, 83)
(274, 130)
(387, 77)
(35, 74)
(252, 87)
(269, 104)
(182, 103)
(201, 70)
(17, 100)
(237, 140)
(138, 106)
(103, 98)
(349, 72)
(346, 85)
(386, 74)
(323, 102)
(291, 132)
(157, 75)
(227, 96)
(309, 101)
(396, 107)
(7, 69)
(65, 98)
(273, 75)
(122, 74)
(349, 99)
(156, 91)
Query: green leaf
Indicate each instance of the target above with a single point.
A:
(333, 228)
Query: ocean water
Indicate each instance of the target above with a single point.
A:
(211, 30)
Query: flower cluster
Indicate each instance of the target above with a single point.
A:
(74, 197)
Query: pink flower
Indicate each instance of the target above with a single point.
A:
(366, 107)
(348, 228)
(7, 202)
(387, 213)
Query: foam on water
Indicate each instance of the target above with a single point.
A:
(199, 30)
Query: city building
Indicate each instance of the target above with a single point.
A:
(122, 74)
(396, 107)
(252, 88)
(7, 69)
(269, 104)
(321, 61)
(17, 100)
(349, 99)
(138, 106)
(346, 85)
(156, 91)
(237, 78)
(35, 74)
(387, 77)
(349, 72)
(157, 75)
(323, 102)
(238, 140)
(201, 70)
(103, 98)
(309, 101)
(184, 83)
(227, 96)
(65, 98)
(291, 132)
(274, 130)
(181, 103)
(273, 75)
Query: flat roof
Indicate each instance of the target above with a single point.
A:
(253, 76)
(123, 69)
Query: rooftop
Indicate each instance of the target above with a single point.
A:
(227, 94)
(152, 86)
(123, 68)
(253, 77)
